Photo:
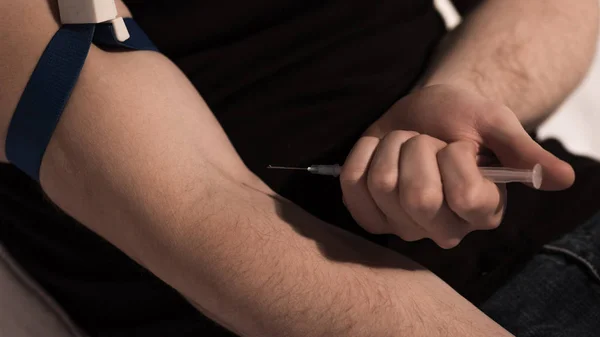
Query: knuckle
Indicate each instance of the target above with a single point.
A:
(409, 236)
(350, 176)
(465, 200)
(448, 243)
(395, 134)
(382, 181)
(426, 143)
(422, 200)
(492, 222)
(420, 140)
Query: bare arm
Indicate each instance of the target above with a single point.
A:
(528, 55)
(138, 158)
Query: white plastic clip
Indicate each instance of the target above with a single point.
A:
(121, 32)
(93, 11)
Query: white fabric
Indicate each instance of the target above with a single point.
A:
(25, 309)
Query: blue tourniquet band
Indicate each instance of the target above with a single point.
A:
(51, 84)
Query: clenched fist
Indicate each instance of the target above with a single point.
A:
(414, 173)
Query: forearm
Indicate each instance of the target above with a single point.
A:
(529, 55)
(138, 158)
(263, 267)
(143, 171)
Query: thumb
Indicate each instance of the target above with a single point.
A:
(515, 148)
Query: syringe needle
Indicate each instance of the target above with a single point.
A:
(325, 170)
(499, 175)
(287, 168)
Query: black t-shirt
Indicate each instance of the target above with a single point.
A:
(292, 83)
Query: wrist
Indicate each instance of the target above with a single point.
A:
(478, 84)
(526, 104)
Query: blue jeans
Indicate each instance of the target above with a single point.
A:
(558, 292)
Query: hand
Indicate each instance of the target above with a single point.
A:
(414, 172)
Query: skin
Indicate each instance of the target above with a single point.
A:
(155, 175)
(414, 172)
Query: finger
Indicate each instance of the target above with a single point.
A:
(505, 136)
(421, 192)
(472, 197)
(353, 181)
(382, 182)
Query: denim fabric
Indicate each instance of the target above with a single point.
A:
(558, 291)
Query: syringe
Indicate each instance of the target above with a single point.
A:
(498, 175)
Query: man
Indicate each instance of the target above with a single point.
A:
(139, 159)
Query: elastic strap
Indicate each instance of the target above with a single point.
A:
(51, 84)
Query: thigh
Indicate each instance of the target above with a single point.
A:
(558, 292)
